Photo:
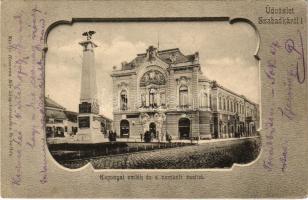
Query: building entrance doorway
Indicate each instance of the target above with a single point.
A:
(184, 128)
(124, 129)
(152, 129)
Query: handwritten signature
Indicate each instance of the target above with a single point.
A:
(301, 61)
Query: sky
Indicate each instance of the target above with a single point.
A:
(225, 51)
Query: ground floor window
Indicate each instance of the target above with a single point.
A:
(59, 132)
(49, 132)
(152, 129)
(124, 129)
(103, 128)
(184, 128)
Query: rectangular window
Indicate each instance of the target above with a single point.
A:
(210, 101)
(162, 99)
(228, 104)
(183, 96)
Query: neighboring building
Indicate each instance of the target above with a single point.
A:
(63, 123)
(166, 92)
(71, 122)
(57, 122)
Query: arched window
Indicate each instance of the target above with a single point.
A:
(183, 95)
(153, 87)
(124, 128)
(123, 100)
(224, 102)
(219, 103)
(184, 128)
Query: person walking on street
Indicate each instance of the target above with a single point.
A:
(141, 136)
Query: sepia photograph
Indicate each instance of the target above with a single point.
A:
(154, 99)
(153, 95)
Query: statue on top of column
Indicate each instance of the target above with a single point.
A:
(89, 34)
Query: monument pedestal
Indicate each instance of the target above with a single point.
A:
(89, 129)
(89, 122)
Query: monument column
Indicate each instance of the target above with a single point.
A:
(89, 121)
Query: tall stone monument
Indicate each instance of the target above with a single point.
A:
(89, 125)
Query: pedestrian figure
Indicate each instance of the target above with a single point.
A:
(162, 136)
(141, 136)
(110, 136)
(115, 136)
(147, 136)
(168, 137)
(157, 136)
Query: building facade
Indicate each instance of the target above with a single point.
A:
(165, 92)
(61, 123)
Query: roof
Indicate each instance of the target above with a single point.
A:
(215, 84)
(71, 116)
(164, 55)
(180, 57)
(51, 103)
(55, 114)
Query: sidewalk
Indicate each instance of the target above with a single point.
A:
(186, 141)
(71, 140)
(224, 139)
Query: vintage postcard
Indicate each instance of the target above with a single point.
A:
(154, 99)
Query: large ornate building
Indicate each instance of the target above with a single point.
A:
(166, 92)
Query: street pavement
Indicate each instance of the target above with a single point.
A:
(218, 154)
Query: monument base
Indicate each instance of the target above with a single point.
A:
(89, 129)
(90, 138)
